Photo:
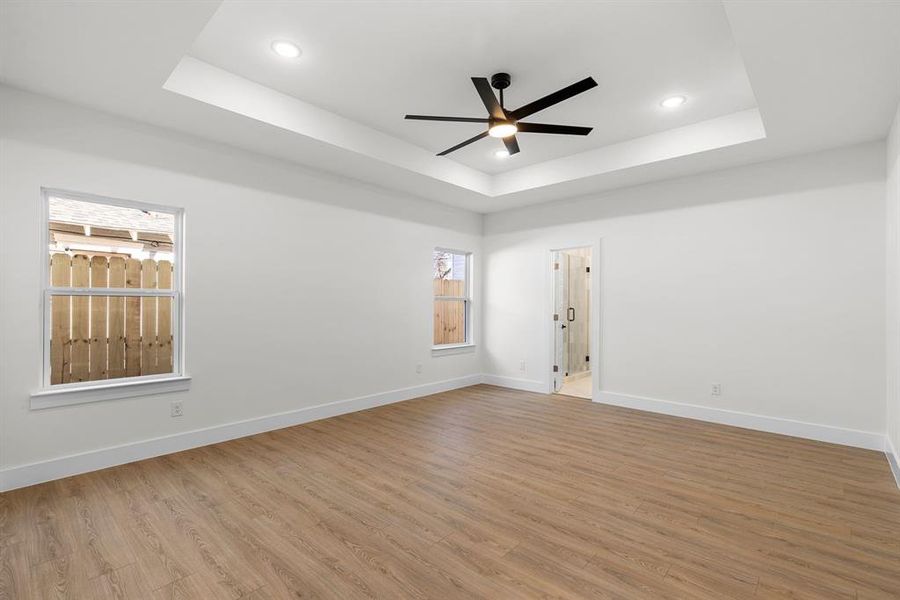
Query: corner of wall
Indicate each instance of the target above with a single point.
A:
(892, 292)
(893, 458)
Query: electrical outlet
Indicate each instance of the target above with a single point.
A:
(522, 366)
(177, 409)
(418, 367)
(716, 389)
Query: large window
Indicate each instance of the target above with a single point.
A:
(112, 291)
(452, 297)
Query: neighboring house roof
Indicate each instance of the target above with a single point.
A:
(78, 212)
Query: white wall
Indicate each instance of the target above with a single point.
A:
(767, 279)
(893, 292)
(310, 319)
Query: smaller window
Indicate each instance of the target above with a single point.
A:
(452, 297)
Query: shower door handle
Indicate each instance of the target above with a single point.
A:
(571, 314)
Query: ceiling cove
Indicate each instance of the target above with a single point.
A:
(668, 82)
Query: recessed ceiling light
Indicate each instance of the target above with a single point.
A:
(502, 153)
(502, 129)
(673, 101)
(286, 49)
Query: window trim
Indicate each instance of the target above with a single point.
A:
(458, 348)
(90, 391)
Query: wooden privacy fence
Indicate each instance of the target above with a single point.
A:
(449, 315)
(105, 337)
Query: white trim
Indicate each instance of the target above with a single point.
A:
(66, 466)
(893, 458)
(67, 394)
(813, 431)
(452, 250)
(450, 349)
(526, 385)
(142, 292)
(800, 429)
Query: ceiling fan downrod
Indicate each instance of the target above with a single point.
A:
(500, 81)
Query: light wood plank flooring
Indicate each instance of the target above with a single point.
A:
(476, 493)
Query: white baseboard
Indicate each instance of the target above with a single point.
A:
(893, 458)
(812, 431)
(526, 385)
(66, 466)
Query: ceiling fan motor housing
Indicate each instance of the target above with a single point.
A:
(500, 81)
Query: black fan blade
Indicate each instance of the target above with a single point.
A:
(554, 98)
(454, 119)
(465, 143)
(512, 144)
(558, 129)
(488, 97)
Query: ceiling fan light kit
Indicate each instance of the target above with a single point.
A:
(505, 124)
(502, 129)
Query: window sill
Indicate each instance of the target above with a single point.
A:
(65, 396)
(452, 349)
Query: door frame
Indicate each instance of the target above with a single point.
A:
(594, 326)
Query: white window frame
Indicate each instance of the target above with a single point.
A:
(90, 391)
(467, 302)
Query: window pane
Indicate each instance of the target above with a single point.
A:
(105, 337)
(106, 243)
(449, 272)
(99, 271)
(449, 322)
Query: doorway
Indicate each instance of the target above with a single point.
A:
(571, 319)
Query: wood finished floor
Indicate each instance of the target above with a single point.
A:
(475, 493)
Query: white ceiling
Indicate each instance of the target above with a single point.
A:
(377, 61)
(823, 74)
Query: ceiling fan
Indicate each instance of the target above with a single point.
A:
(503, 123)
